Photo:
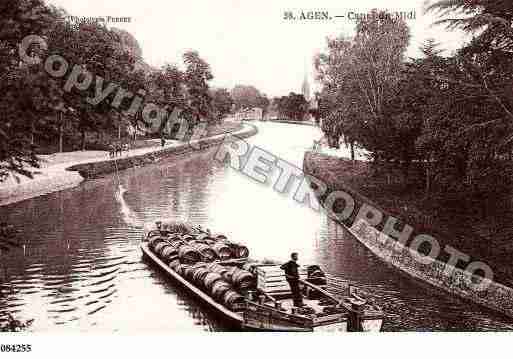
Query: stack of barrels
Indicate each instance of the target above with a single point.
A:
(224, 284)
(194, 247)
(191, 253)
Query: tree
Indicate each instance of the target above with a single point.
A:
(379, 47)
(263, 102)
(128, 43)
(166, 88)
(473, 126)
(359, 75)
(101, 55)
(222, 102)
(21, 87)
(197, 75)
(340, 99)
(410, 109)
(491, 20)
(293, 107)
(36, 106)
(248, 97)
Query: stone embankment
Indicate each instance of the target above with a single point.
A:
(96, 169)
(304, 123)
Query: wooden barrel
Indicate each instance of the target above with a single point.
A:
(174, 237)
(214, 267)
(171, 251)
(152, 238)
(203, 236)
(188, 237)
(199, 276)
(209, 241)
(153, 233)
(165, 249)
(210, 279)
(228, 275)
(153, 241)
(219, 288)
(175, 227)
(159, 246)
(233, 300)
(180, 269)
(174, 264)
(243, 279)
(222, 250)
(177, 243)
(193, 272)
(188, 254)
(189, 272)
(238, 250)
(207, 253)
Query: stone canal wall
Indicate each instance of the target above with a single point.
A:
(303, 123)
(437, 273)
(96, 169)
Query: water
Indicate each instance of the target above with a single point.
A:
(81, 267)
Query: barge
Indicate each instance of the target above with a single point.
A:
(248, 294)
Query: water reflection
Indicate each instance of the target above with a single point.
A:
(408, 304)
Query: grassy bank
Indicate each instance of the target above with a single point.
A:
(97, 142)
(215, 137)
(66, 170)
(481, 234)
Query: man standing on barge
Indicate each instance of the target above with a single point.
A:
(292, 276)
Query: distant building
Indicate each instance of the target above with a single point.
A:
(254, 113)
(271, 115)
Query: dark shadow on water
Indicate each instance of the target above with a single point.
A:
(201, 314)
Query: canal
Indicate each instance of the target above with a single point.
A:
(81, 269)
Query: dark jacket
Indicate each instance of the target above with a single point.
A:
(291, 270)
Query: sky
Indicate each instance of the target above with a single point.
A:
(250, 42)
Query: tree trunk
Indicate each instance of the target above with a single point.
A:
(405, 168)
(119, 131)
(32, 130)
(352, 150)
(83, 132)
(427, 190)
(428, 181)
(61, 132)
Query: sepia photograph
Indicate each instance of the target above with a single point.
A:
(207, 168)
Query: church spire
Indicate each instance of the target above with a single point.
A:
(305, 89)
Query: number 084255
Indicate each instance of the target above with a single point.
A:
(15, 348)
